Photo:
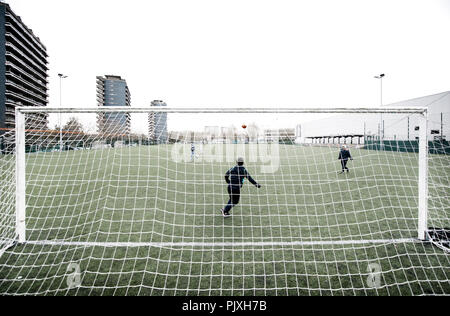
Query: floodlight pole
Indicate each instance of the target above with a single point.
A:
(381, 76)
(423, 176)
(61, 77)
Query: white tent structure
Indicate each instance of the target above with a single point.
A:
(348, 128)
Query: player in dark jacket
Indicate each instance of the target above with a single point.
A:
(235, 179)
(192, 151)
(344, 156)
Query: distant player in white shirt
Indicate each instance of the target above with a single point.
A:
(192, 151)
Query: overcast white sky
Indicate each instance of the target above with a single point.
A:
(245, 53)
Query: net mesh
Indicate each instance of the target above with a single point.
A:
(114, 209)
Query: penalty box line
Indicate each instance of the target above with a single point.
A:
(221, 244)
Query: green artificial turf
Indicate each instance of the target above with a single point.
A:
(144, 195)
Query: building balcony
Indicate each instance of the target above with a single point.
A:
(40, 60)
(23, 90)
(24, 101)
(37, 121)
(11, 49)
(27, 83)
(14, 51)
(10, 120)
(26, 31)
(27, 73)
(19, 35)
(22, 73)
(100, 91)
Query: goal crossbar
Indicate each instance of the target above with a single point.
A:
(312, 110)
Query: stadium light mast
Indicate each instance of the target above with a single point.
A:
(61, 77)
(381, 129)
(381, 87)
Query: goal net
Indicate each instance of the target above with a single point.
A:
(132, 202)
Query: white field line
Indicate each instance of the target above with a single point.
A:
(220, 244)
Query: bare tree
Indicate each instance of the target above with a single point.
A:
(73, 125)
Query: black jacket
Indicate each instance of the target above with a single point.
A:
(344, 155)
(236, 175)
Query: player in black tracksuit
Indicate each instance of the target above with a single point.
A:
(344, 156)
(235, 179)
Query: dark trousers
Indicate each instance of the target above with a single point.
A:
(344, 164)
(234, 192)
